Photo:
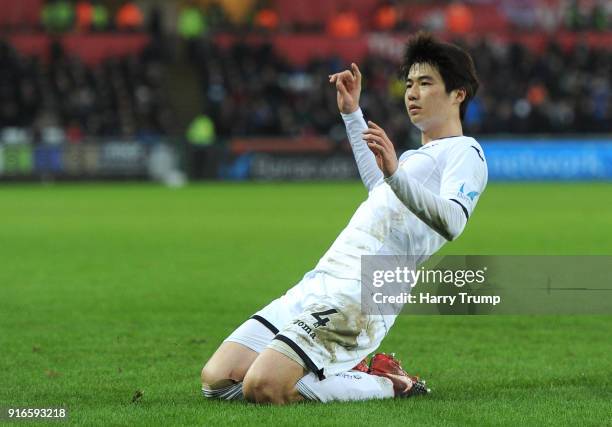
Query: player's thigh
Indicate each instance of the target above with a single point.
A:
(234, 357)
(272, 378)
(333, 335)
(231, 361)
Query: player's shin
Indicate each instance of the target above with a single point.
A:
(346, 386)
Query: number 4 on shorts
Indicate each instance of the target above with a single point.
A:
(322, 321)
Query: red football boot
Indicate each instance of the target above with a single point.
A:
(404, 385)
(362, 366)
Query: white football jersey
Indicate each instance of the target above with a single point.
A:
(453, 168)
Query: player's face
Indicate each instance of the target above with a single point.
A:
(427, 102)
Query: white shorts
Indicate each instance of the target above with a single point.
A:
(321, 320)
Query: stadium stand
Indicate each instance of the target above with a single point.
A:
(259, 68)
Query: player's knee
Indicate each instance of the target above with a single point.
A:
(214, 374)
(208, 376)
(215, 379)
(214, 385)
(265, 389)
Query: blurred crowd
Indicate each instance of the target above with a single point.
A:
(550, 92)
(62, 99)
(57, 16)
(251, 92)
(339, 18)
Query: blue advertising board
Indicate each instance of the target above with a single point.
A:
(48, 159)
(508, 160)
(558, 160)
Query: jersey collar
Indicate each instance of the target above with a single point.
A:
(436, 141)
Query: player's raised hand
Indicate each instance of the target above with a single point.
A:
(382, 147)
(348, 87)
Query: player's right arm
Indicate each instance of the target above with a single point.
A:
(464, 177)
(348, 87)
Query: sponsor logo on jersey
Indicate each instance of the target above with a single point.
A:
(470, 195)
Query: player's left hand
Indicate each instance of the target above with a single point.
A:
(382, 147)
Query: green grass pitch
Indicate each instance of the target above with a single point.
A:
(110, 289)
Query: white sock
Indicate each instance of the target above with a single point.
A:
(351, 385)
(230, 392)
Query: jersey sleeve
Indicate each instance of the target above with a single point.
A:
(464, 176)
(370, 173)
(442, 215)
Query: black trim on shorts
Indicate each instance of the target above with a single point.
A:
(465, 211)
(309, 363)
(264, 322)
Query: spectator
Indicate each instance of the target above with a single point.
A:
(74, 133)
(385, 17)
(344, 24)
(99, 17)
(129, 17)
(459, 18)
(237, 10)
(201, 131)
(191, 22)
(266, 18)
(57, 16)
(599, 19)
(84, 15)
(202, 151)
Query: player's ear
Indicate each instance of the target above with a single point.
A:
(459, 95)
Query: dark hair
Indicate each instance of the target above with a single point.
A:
(453, 63)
